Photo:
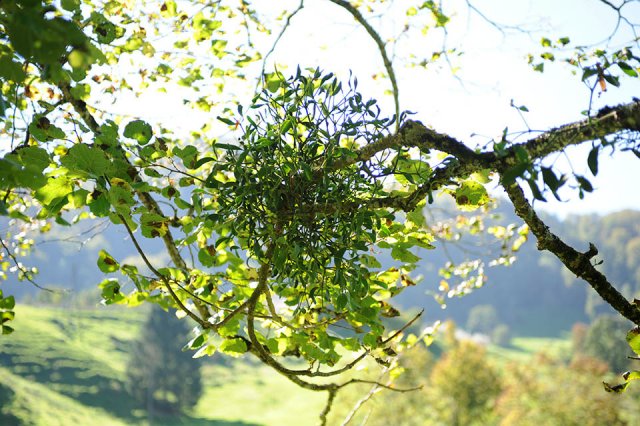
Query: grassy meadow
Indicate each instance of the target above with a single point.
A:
(68, 366)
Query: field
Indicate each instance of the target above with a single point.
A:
(66, 366)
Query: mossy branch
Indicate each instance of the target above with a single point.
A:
(577, 262)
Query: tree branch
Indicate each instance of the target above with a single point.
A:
(381, 47)
(25, 273)
(145, 198)
(608, 121)
(578, 263)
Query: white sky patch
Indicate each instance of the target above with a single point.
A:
(474, 108)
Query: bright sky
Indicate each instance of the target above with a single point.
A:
(493, 70)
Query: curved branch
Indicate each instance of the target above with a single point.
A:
(277, 40)
(578, 263)
(162, 277)
(381, 47)
(25, 273)
(145, 198)
(327, 408)
(608, 121)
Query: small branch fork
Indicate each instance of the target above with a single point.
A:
(608, 122)
(258, 349)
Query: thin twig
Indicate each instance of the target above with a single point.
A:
(381, 47)
(27, 275)
(162, 277)
(277, 40)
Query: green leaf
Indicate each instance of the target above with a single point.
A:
(633, 338)
(188, 155)
(100, 206)
(537, 194)
(42, 129)
(169, 9)
(106, 31)
(111, 291)
(24, 168)
(6, 315)
(404, 255)
(107, 263)
(83, 160)
(470, 195)
(548, 56)
(70, 5)
(39, 38)
(207, 350)
(121, 197)
(206, 256)
(225, 121)
(613, 80)
(34, 157)
(233, 347)
(584, 183)
(512, 173)
(550, 178)
(417, 215)
(153, 225)
(273, 81)
(197, 342)
(7, 303)
(138, 130)
(230, 328)
(588, 72)
(218, 48)
(56, 188)
(629, 376)
(227, 146)
(81, 91)
(9, 69)
(620, 388)
(592, 160)
(627, 69)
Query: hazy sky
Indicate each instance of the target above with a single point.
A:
(493, 70)
(473, 105)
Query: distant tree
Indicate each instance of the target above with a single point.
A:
(578, 334)
(482, 319)
(548, 392)
(162, 377)
(605, 340)
(501, 335)
(7, 396)
(464, 385)
(408, 409)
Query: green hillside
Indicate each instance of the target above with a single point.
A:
(68, 367)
